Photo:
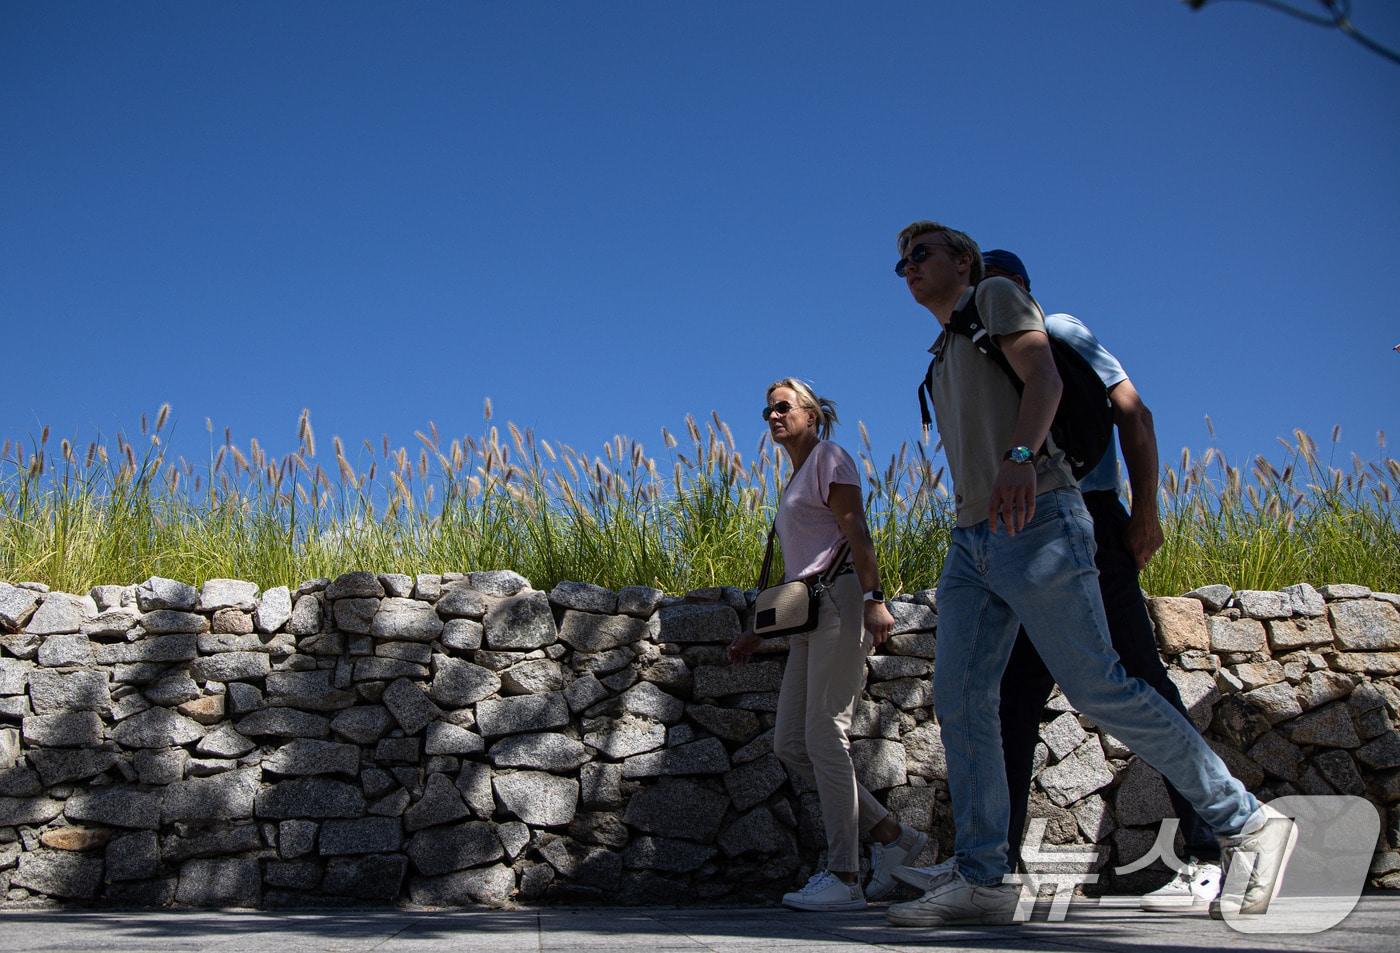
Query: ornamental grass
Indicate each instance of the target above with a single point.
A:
(73, 517)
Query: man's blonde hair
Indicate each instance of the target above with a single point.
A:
(960, 242)
(807, 399)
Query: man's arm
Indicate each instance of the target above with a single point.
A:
(1013, 493)
(1139, 442)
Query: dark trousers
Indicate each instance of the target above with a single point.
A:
(1027, 683)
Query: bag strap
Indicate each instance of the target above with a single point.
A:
(767, 558)
(833, 570)
(842, 555)
(826, 577)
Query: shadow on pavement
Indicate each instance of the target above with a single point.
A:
(597, 929)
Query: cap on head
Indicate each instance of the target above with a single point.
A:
(1009, 262)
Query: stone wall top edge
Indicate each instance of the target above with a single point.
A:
(493, 582)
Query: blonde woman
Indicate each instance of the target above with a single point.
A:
(819, 510)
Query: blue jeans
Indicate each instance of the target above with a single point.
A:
(1044, 578)
(1026, 683)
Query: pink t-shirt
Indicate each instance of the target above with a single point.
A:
(807, 528)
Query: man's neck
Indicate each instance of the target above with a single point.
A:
(942, 308)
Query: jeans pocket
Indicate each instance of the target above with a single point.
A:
(1060, 522)
(1052, 506)
(1080, 529)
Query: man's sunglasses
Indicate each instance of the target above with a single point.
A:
(916, 255)
(781, 407)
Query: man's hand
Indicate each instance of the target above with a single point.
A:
(878, 622)
(742, 647)
(1143, 537)
(1013, 497)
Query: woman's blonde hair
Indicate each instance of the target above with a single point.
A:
(823, 407)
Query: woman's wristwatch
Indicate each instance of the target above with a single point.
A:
(875, 595)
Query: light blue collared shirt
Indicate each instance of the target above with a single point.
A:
(1072, 331)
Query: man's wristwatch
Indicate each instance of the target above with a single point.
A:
(875, 595)
(1018, 455)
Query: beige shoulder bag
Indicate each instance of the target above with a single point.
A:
(791, 607)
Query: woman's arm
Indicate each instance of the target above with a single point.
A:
(844, 502)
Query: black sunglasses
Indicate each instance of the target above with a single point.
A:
(781, 407)
(917, 254)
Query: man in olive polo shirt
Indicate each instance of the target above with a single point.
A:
(1022, 552)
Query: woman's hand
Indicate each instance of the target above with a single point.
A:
(742, 647)
(878, 622)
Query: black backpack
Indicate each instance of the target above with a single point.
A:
(1083, 424)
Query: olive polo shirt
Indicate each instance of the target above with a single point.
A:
(976, 404)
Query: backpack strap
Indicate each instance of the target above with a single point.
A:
(1082, 427)
(967, 321)
(925, 398)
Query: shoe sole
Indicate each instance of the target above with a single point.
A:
(1217, 911)
(1175, 906)
(932, 920)
(826, 907)
(874, 893)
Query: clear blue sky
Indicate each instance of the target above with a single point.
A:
(605, 215)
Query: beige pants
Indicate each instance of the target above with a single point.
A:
(825, 674)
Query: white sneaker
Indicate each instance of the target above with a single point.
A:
(923, 877)
(953, 900)
(826, 892)
(1255, 861)
(885, 859)
(1191, 891)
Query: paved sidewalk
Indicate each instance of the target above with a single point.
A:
(1371, 928)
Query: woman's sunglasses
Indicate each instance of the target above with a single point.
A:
(781, 407)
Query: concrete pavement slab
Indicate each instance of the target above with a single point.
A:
(1107, 927)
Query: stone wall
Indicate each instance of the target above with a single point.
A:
(464, 738)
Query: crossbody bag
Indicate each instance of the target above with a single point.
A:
(790, 608)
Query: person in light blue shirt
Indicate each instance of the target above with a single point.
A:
(1143, 535)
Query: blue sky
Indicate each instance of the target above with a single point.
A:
(606, 215)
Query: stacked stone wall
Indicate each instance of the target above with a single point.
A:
(463, 738)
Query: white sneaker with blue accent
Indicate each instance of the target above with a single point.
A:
(1191, 891)
(826, 893)
(885, 859)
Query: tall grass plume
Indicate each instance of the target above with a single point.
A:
(74, 516)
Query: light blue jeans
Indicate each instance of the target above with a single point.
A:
(1044, 578)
